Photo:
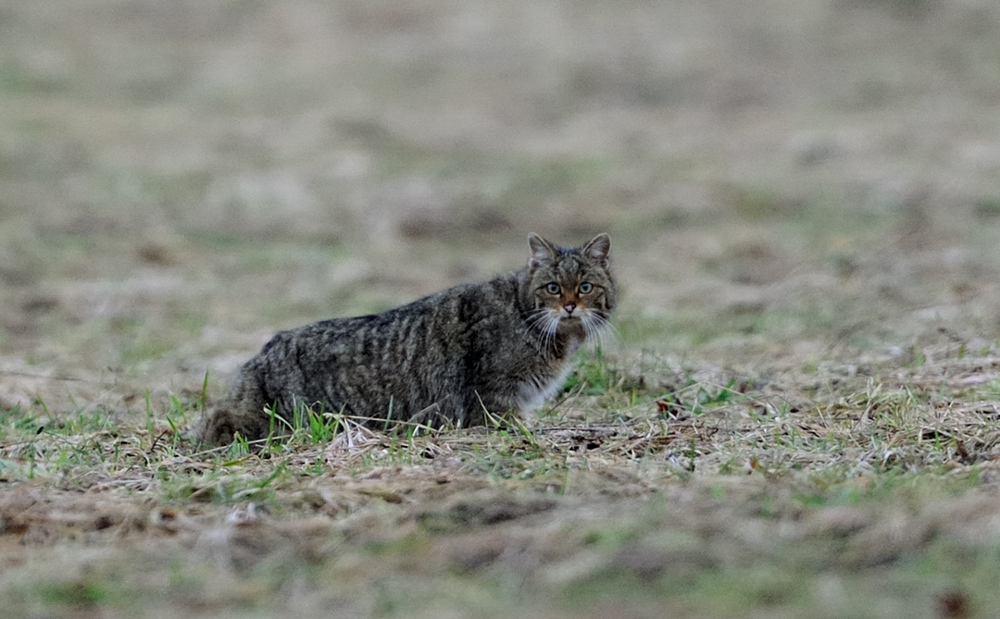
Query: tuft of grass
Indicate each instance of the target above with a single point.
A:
(307, 426)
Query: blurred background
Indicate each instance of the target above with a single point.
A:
(784, 181)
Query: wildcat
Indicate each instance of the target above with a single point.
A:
(504, 344)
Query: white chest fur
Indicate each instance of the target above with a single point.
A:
(540, 391)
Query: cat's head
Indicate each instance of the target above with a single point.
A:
(570, 289)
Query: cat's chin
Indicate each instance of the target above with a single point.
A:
(571, 325)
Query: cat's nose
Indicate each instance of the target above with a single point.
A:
(569, 307)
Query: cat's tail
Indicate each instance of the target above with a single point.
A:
(242, 413)
(221, 424)
(217, 426)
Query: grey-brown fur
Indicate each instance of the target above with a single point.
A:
(503, 344)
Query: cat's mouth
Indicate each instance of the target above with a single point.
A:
(569, 309)
(572, 320)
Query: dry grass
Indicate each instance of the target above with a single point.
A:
(710, 493)
(797, 416)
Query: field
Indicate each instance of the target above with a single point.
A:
(796, 414)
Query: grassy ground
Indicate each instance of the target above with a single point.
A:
(797, 416)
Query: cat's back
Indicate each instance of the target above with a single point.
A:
(445, 319)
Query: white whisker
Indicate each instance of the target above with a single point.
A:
(546, 324)
(597, 325)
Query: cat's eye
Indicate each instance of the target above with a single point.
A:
(552, 288)
(585, 287)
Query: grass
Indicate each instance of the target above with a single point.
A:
(883, 478)
(795, 418)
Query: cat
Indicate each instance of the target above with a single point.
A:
(502, 345)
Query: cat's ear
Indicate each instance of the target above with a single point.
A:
(541, 250)
(597, 249)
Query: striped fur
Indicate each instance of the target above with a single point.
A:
(504, 344)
